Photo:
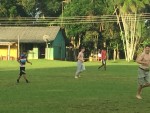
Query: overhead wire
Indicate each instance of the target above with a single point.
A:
(31, 21)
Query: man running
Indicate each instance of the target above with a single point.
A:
(22, 61)
(80, 65)
(143, 71)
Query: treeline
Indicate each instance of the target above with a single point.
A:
(30, 8)
(121, 35)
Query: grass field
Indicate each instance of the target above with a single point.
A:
(53, 88)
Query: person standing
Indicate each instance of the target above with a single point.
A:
(103, 58)
(22, 61)
(80, 63)
(143, 71)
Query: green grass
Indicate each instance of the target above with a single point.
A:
(53, 88)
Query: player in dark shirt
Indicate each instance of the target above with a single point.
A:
(22, 61)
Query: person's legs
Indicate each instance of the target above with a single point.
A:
(139, 91)
(18, 78)
(20, 74)
(24, 76)
(105, 65)
(79, 66)
(82, 68)
(147, 80)
(143, 82)
(101, 65)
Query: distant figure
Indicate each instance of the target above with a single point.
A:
(103, 58)
(143, 71)
(22, 61)
(99, 55)
(80, 63)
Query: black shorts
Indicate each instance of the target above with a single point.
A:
(22, 71)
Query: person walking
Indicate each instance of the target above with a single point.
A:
(103, 58)
(22, 61)
(143, 71)
(80, 63)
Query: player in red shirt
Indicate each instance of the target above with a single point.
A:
(103, 58)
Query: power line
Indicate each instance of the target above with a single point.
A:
(30, 21)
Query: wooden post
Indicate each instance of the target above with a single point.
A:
(62, 9)
(18, 47)
(8, 52)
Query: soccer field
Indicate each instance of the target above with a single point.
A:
(53, 89)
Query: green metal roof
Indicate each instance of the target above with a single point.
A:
(28, 34)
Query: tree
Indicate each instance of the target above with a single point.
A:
(26, 7)
(112, 39)
(82, 31)
(90, 41)
(50, 8)
(128, 11)
(14, 8)
(8, 8)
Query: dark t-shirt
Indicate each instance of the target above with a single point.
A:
(23, 60)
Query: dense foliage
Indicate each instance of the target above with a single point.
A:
(93, 35)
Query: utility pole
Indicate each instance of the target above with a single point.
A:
(62, 16)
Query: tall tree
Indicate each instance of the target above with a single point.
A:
(8, 8)
(50, 8)
(14, 8)
(75, 8)
(128, 11)
(26, 7)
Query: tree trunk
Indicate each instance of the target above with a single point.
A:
(114, 56)
(118, 57)
(130, 34)
(121, 33)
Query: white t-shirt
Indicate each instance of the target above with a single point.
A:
(99, 55)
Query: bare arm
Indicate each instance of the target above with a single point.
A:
(29, 62)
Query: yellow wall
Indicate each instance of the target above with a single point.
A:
(13, 51)
(4, 51)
